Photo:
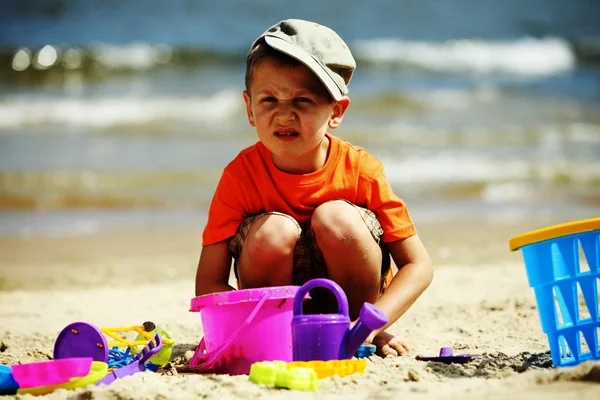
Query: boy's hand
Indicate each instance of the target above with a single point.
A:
(390, 345)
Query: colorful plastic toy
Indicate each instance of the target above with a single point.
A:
(297, 379)
(280, 374)
(328, 336)
(98, 371)
(149, 330)
(364, 351)
(52, 372)
(139, 365)
(265, 372)
(82, 357)
(8, 385)
(447, 357)
(567, 289)
(235, 325)
(82, 339)
(118, 358)
(325, 369)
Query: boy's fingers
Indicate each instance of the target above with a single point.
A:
(388, 350)
(410, 345)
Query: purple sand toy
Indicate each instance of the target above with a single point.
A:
(447, 357)
(328, 336)
(136, 366)
(81, 339)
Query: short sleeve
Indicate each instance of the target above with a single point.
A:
(376, 193)
(226, 210)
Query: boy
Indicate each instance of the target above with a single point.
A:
(301, 203)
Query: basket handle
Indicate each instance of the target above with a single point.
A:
(205, 361)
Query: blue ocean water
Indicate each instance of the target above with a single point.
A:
(117, 112)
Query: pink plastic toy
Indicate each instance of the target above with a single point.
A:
(51, 372)
(242, 327)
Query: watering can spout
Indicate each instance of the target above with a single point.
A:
(370, 318)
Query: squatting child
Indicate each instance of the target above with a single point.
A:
(302, 203)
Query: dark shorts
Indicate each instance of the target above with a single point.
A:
(308, 259)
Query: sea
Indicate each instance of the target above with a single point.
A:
(122, 114)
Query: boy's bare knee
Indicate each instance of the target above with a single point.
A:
(336, 223)
(270, 238)
(353, 257)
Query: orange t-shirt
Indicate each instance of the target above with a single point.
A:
(251, 184)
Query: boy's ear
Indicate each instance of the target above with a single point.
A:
(248, 107)
(339, 108)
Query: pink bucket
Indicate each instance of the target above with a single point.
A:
(242, 327)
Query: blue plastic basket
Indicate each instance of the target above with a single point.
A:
(563, 268)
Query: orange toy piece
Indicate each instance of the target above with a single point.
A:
(325, 369)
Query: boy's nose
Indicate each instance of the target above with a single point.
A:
(285, 112)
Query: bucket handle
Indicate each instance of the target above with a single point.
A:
(207, 360)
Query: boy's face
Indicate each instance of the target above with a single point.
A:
(291, 110)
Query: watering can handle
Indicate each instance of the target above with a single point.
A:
(340, 296)
(209, 359)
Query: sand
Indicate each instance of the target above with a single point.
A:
(479, 303)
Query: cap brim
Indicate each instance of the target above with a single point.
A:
(308, 60)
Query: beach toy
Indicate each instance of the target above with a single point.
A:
(280, 374)
(82, 339)
(98, 371)
(566, 287)
(325, 369)
(297, 378)
(118, 358)
(52, 372)
(139, 365)
(364, 351)
(328, 336)
(447, 356)
(150, 329)
(242, 327)
(145, 332)
(8, 385)
(265, 372)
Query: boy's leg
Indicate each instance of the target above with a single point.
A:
(350, 251)
(263, 249)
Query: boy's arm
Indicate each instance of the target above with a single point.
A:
(213, 270)
(415, 273)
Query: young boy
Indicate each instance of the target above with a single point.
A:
(301, 203)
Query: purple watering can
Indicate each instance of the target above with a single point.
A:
(328, 336)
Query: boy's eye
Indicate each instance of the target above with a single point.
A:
(268, 99)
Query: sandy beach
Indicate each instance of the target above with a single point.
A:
(479, 303)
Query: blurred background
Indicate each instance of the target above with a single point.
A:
(118, 114)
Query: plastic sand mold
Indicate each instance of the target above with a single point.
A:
(329, 368)
(50, 372)
(98, 371)
(276, 373)
(302, 375)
